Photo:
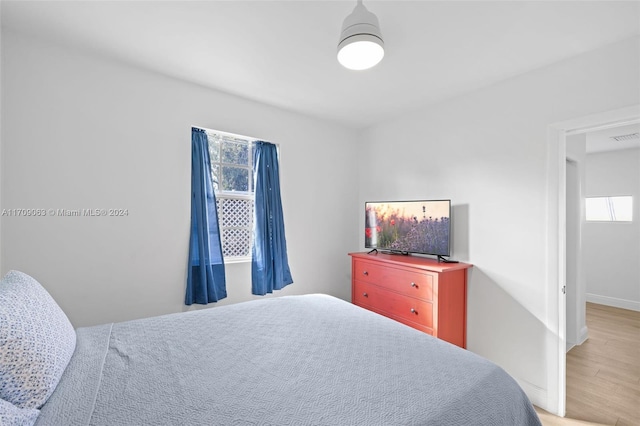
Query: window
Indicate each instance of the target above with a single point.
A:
(232, 173)
(609, 209)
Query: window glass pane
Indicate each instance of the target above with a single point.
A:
(609, 209)
(597, 209)
(235, 179)
(235, 152)
(214, 147)
(232, 175)
(622, 208)
(253, 154)
(215, 175)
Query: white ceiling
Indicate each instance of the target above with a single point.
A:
(602, 140)
(283, 53)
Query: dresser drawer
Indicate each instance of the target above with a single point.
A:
(393, 304)
(410, 283)
(415, 325)
(420, 292)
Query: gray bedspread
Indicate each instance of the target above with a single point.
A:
(295, 360)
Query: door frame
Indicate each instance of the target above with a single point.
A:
(575, 291)
(556, 241)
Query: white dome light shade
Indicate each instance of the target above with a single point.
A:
(360, 52)
(361, 45)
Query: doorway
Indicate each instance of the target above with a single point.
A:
(599, 163)
(556, 267)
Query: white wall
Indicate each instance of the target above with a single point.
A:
(85, 132)
(487, 151)
(612, 250)
(576, 321)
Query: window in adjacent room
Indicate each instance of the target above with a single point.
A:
(232, 172)
(609, 209)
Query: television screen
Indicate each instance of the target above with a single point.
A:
(409, 226)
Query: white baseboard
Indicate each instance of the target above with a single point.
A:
(536, 395)
(613, 301)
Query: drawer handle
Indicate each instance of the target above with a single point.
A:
(365, 273)
(365, 294)
(413, 284)
(413, 311)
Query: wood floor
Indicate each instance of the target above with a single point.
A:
(549, 419)
(603, 374)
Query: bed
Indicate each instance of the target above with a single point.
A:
(293, 360)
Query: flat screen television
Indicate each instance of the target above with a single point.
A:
(422, 226)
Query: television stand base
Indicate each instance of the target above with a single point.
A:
(400, 252)
(443, 260)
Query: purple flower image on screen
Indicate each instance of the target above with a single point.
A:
(409, 226)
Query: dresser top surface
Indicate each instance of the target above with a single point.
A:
(412, 261)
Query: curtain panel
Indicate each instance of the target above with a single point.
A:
(206, 280)
(270, 265)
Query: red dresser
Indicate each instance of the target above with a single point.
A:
(423, 293)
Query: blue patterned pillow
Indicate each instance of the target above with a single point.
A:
(36, 341)
(10, 415)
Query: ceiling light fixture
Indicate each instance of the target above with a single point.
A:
(361, 46)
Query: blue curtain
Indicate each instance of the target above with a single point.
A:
(269, 265)
(206, 277)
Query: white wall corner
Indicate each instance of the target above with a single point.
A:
(584, 335)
